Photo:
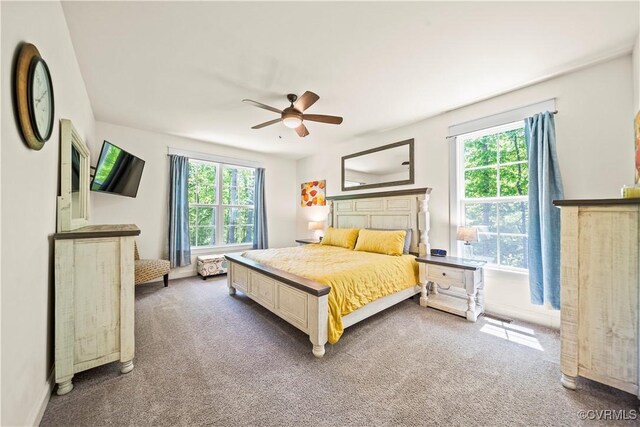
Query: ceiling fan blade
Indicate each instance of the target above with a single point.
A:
(333, 120)
(302, 131)
(265, 124)
(261, 105)
(305, 101)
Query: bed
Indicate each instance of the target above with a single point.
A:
(291, 292)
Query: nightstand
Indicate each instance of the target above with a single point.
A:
(302, 242)
(457, 285)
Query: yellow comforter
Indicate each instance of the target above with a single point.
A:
(356, 278)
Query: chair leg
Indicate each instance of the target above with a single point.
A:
(166, 280)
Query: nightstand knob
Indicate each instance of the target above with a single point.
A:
(444, 274)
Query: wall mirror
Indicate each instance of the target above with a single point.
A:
(73, 202)
(384, 166)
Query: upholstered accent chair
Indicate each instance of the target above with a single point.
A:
(149, 269)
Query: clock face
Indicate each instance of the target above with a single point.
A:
(41, 100)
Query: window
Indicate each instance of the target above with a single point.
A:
(493, 189)
(221, 204)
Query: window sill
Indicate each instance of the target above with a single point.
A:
(496, 269)
(220, 249)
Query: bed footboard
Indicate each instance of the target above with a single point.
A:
(301, 302)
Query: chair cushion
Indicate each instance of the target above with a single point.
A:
(149, 269)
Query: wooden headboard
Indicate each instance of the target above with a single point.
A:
(392, 210)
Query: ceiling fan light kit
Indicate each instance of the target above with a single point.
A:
(290, 116)
(292, 122)
(293, 117)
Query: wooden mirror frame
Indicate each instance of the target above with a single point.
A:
(411, 179)
(69, 139)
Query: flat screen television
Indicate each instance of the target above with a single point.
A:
(117, 172)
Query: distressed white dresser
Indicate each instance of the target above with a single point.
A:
(600, 274)
(94, 299)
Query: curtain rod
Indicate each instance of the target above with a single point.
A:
(214, 158)
(488, 127)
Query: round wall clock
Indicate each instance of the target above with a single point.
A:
(34, 96)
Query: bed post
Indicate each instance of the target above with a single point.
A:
(318, 319)
(424, 224)
(423, 244)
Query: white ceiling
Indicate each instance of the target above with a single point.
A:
(183, 68)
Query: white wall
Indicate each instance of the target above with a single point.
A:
(29, 183)
(1, 90)
(595, 151)
(636, 72)
(149, 210)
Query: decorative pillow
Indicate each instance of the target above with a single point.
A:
(388, 242)
(342, 237)
(407, 238)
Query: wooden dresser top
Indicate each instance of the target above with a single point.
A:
(597, 202)
(103, 230)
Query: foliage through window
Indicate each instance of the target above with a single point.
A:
(494, 193)
(221, 204)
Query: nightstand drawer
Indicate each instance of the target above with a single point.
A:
(445, 275)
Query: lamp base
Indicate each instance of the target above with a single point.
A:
(467, 250)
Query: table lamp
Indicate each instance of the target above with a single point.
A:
(316, 227)
(467, 235)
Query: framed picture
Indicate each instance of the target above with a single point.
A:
(637, 128)
(312, 193)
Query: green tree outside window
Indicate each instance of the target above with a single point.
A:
(494, 197)
(221, 204)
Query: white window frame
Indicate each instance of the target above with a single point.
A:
(219, 207)
(223, 206)
(458, 200)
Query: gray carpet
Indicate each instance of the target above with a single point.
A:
(205, 358)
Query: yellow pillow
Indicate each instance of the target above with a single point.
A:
(342, 237)
(388, 242)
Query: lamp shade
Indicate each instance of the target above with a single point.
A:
(316, 225)
(467, 234)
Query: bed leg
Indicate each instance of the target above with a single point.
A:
(318, 320)
(232, 290)
(318, 350)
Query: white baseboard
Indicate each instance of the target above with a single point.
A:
(38, 412)
(176, 273)
(180, 273)
(550, 318)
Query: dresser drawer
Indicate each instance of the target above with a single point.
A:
(445, 275)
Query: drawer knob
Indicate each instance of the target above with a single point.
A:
(444, 274)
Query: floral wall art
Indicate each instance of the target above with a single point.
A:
(313, 193)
